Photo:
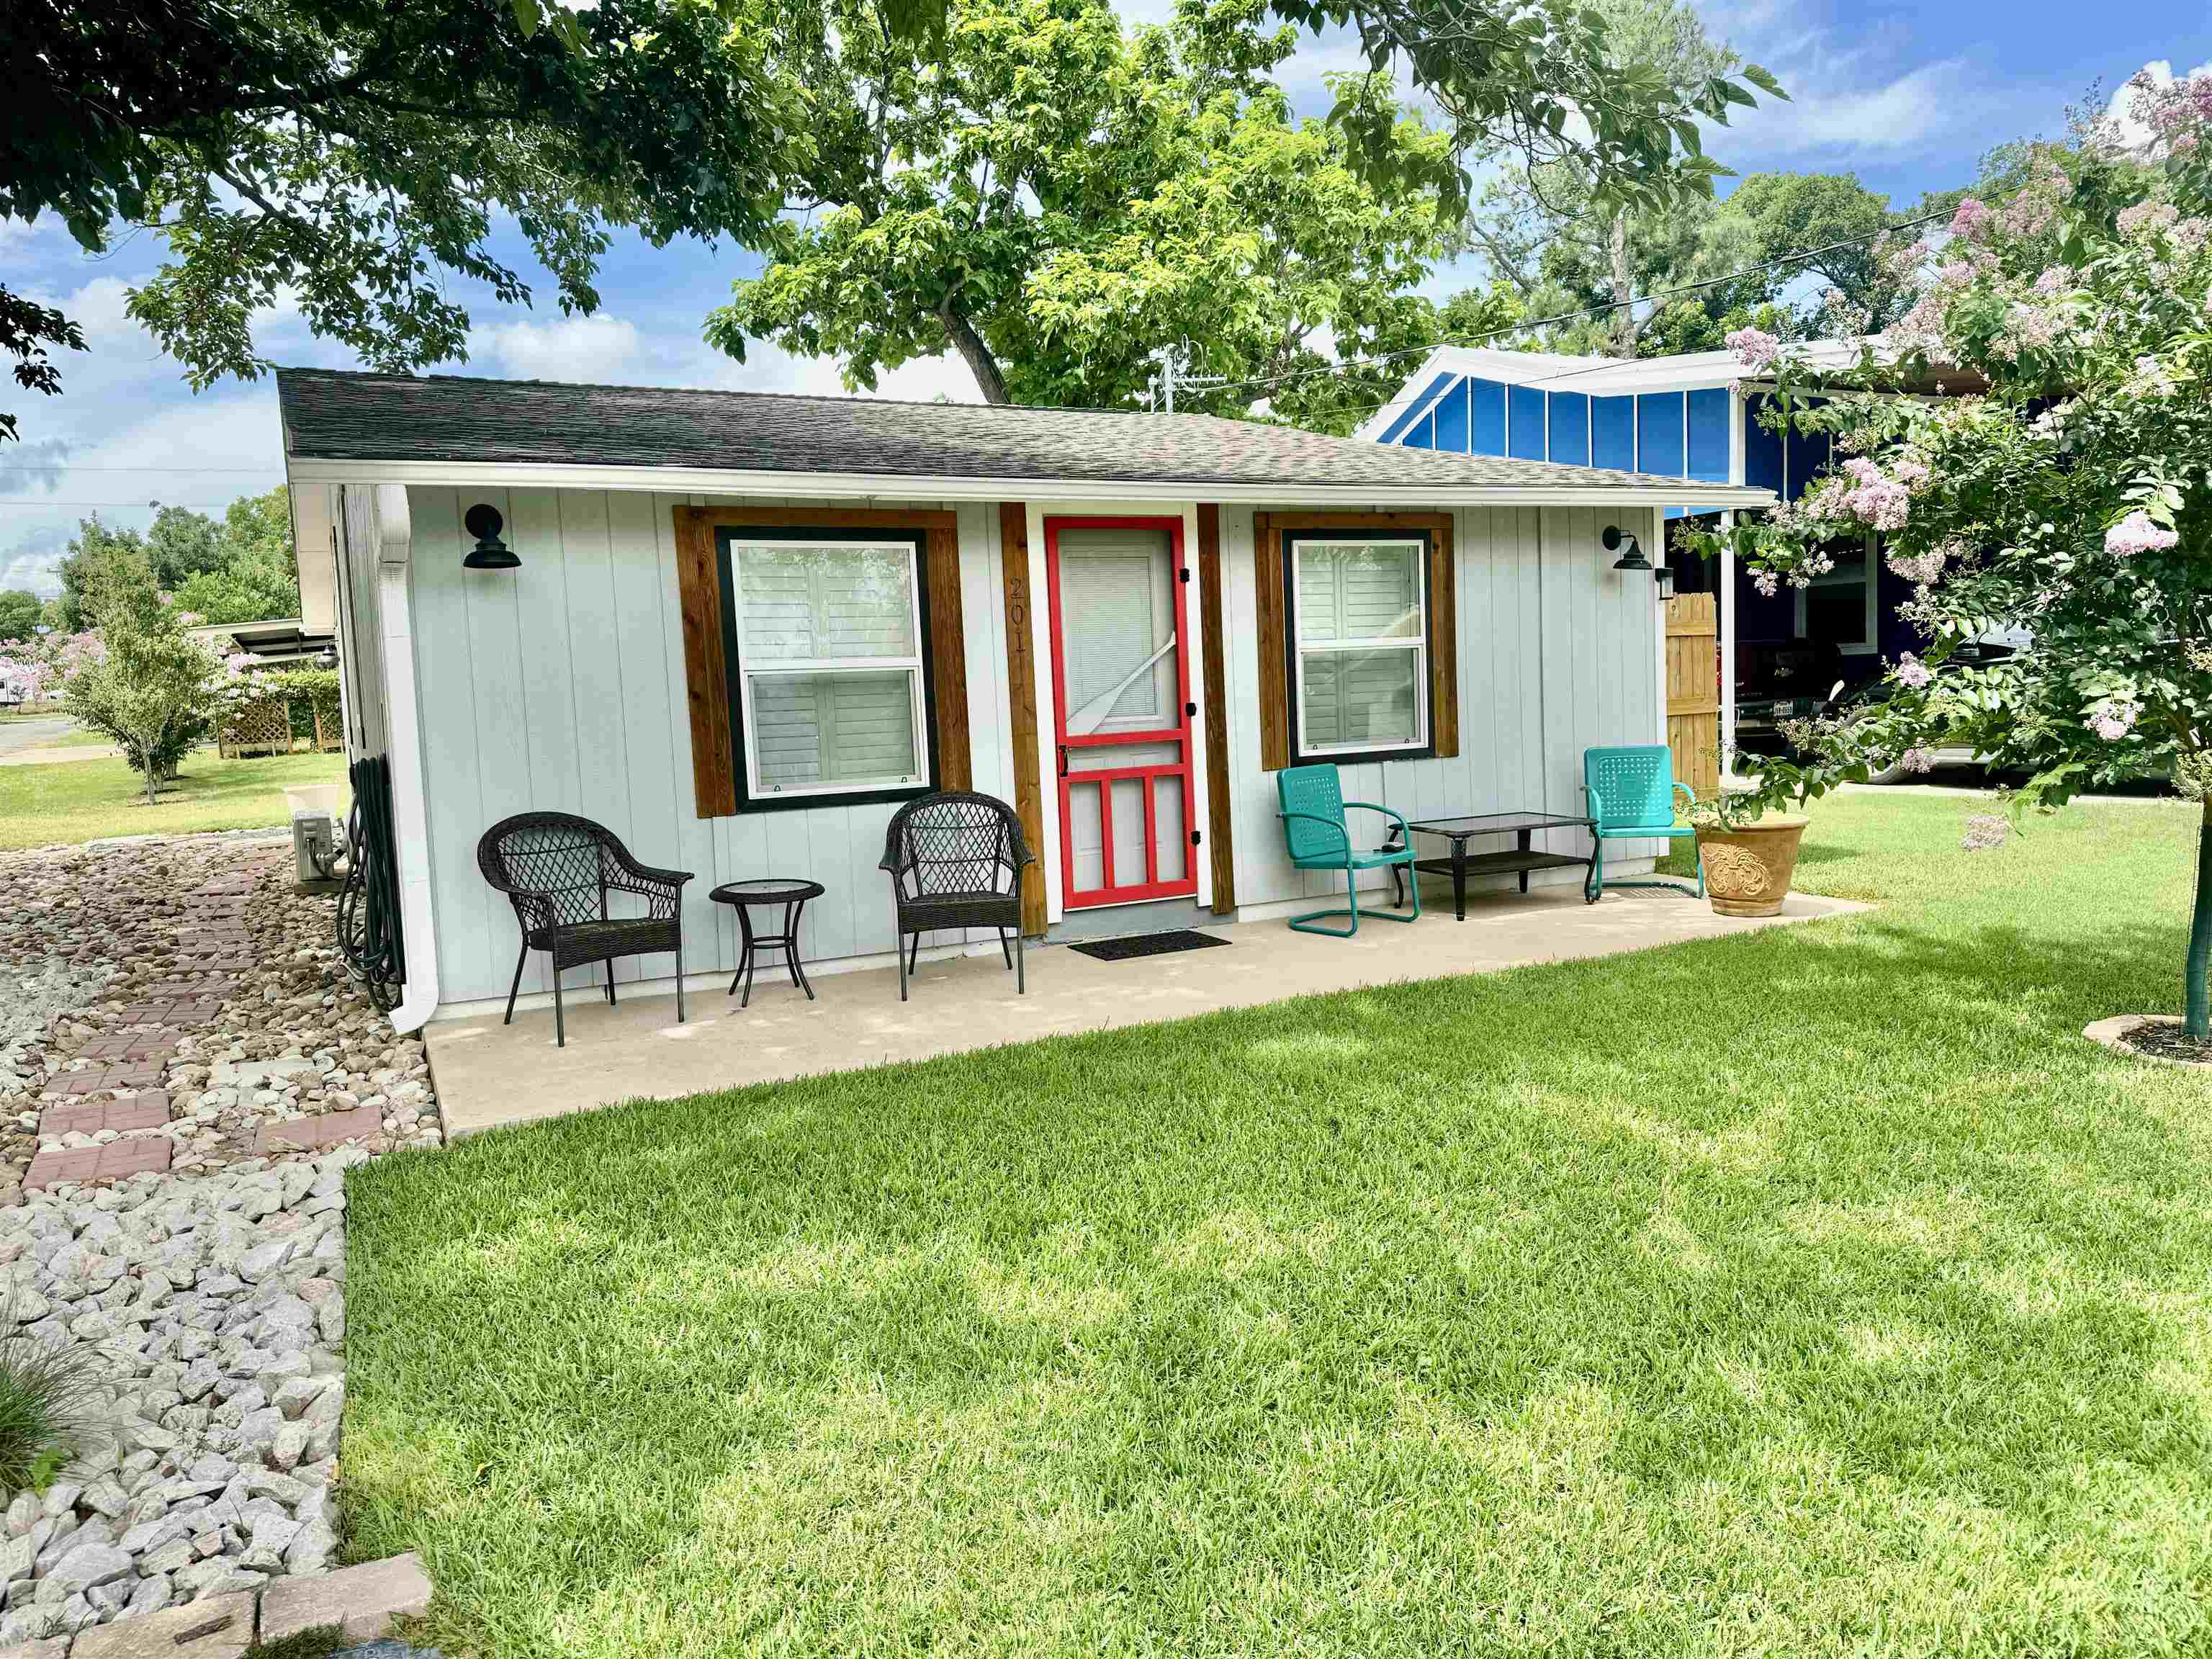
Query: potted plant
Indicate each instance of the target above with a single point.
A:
(1749, 853)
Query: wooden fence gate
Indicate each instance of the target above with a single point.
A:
(1693, 690)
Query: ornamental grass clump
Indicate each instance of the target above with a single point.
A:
(2063, 504)
(48, 1410)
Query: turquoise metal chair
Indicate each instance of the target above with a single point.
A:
(1631, 792)
(1316, 838)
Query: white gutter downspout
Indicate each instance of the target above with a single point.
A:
(403, 733)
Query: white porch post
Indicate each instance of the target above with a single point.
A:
(1726, 613)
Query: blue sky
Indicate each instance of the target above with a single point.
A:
(1906, 96)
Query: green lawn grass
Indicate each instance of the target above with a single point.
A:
(1818, 1290)
(81, 737)
(68, 802)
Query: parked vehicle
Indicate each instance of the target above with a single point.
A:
(1872, 693)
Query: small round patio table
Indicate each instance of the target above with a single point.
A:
(741, 897)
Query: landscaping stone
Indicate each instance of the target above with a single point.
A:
(184, 1079)
(222, 1628)
(364, 1600)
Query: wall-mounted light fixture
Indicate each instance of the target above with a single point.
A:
(1631, 560)
(483, 522)
(1662, 582)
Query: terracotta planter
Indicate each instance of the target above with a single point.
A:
(1748, 870)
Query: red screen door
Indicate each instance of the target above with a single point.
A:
(1121, 682)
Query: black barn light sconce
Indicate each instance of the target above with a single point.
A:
(483, 521)
(1631, 560)
(1662, 582)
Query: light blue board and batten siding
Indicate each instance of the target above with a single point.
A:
(559, 686)
(1672, 434)
(1557, 655)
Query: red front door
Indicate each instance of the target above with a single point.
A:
(1122, 708)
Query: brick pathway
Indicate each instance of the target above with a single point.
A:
(212, 945)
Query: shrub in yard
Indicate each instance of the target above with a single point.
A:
(149, 685)
(47, 1412)
(2067, 506)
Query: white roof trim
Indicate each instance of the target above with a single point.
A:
(1689, 371)
(862, 486)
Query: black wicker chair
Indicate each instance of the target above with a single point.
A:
(557, 871)
(956, 861)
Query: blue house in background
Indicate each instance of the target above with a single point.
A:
(1693, 417)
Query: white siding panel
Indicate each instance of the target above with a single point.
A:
(1556, 654)
(482, 926)
(560, 686)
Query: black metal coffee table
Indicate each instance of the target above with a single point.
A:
(741, 896)
(1518, 861)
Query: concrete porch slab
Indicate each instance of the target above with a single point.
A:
(487, 1074)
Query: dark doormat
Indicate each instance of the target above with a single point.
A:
(1146, 944)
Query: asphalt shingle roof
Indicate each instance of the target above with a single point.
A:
(335, 415)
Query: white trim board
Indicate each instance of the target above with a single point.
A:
(872, 486)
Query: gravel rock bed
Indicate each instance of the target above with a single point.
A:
(215, 1308)
(279, 1034)
(183, 985)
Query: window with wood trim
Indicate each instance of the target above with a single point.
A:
(1359, 668)
(824, 657)
(1357, 615)
(828, 666)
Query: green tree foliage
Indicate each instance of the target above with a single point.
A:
(181, 544)
(2070, 506)
(1560, 222)
(99, 553)
(1789, 213)
(1596, 90)
(255, 578)
(1062, 199)
(239, 570)
(356, 158)
(19, 613)
(149, 685)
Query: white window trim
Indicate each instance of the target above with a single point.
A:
(755, 788)
(1417, 642)
(1872, 584)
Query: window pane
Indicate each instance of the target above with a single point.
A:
(1359, 590)
(1835, 612)
(1360, 699)
(843, 728)
(802, 599)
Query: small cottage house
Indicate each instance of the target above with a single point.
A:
(739, 630)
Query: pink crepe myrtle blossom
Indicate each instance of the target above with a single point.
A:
(1924, 568)
(1754, 348)
(2056, 279)
(1910, 473)
(1972, 220)
(21, 679)
(2113, 718)
(1766, 581)
(1917, 759)
(2026, 328)
(2029, 214)
(237, 662)
(1986, 831)
(1912, 674)
(2190, 235)
(1884, 504)
(2147, 216)
(2135, 533)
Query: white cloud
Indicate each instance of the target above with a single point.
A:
(1891, 116)
(30, 563)
(598, 349)
(2120, 113)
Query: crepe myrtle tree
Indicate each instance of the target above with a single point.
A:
(2067, 506)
